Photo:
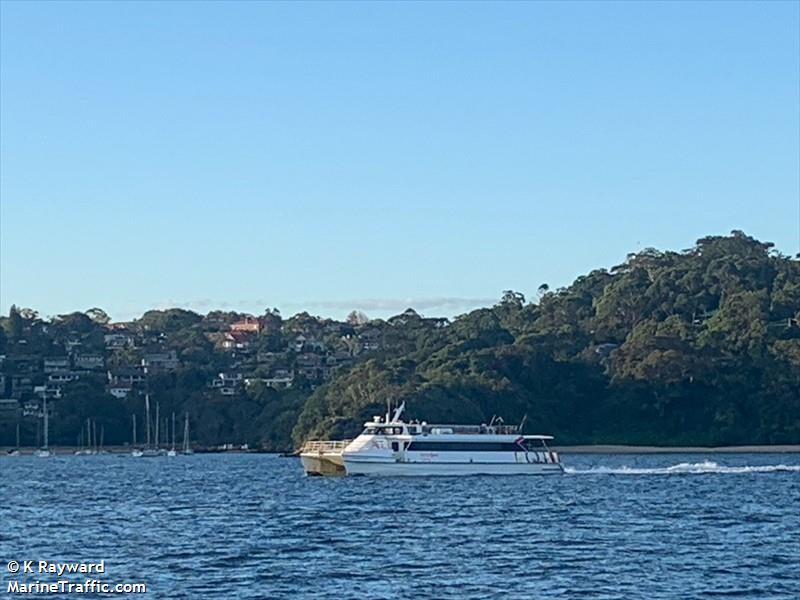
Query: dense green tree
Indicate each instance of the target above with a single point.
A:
(168, 321)
(14, 325)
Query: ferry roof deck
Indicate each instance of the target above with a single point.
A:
(428, 428)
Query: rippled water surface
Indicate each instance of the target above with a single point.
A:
(252, 526)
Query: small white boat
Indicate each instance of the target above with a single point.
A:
(43, 453)
(395, 447)
(136, 453)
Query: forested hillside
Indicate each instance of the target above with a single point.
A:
(700, 346)
(693, 347)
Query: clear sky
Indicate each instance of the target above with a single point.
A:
(331, 156)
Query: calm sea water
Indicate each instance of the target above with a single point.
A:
(252, 526)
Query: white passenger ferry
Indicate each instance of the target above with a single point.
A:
(394, 447)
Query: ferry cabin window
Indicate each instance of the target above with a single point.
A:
(383, 431)
(395, 446)
(534, 445)
(464, 447)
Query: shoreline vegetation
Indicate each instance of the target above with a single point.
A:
(698, 348)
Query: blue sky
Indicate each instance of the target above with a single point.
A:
(327, 157)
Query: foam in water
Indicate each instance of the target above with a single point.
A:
(681, 468)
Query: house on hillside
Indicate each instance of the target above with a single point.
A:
(21, 385)
(236, 340)
(62, 377)
(22, 364)
(54, 365)
(118, 340)
(249, 325)
(267, 359)
(280, 379)
(71, 344)
(129, 376)
(438, 322)
(370, 339)
(228, 383)
(166, 361)
(89, 362)
(49, 391)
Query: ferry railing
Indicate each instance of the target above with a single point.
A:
(324, 446)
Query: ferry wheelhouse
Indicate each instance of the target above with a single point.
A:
(392, 446)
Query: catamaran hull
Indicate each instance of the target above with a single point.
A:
(394, 469)
(322, 463)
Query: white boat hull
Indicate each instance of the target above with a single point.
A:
(394, 469)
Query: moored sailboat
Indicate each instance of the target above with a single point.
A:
(150, 451)
(135, 452)
(44, 451)
(186, 447)
(15, 451)
(85, 440)
(171, 451)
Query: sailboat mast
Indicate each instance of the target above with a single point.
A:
(173, 430)
(147, 416)
(133, 419)
(156, 423)
(186, 433)
(46, 422)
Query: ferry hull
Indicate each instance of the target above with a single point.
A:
(322, 464)
(402, 469)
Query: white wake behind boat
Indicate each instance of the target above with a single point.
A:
(395, 447)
